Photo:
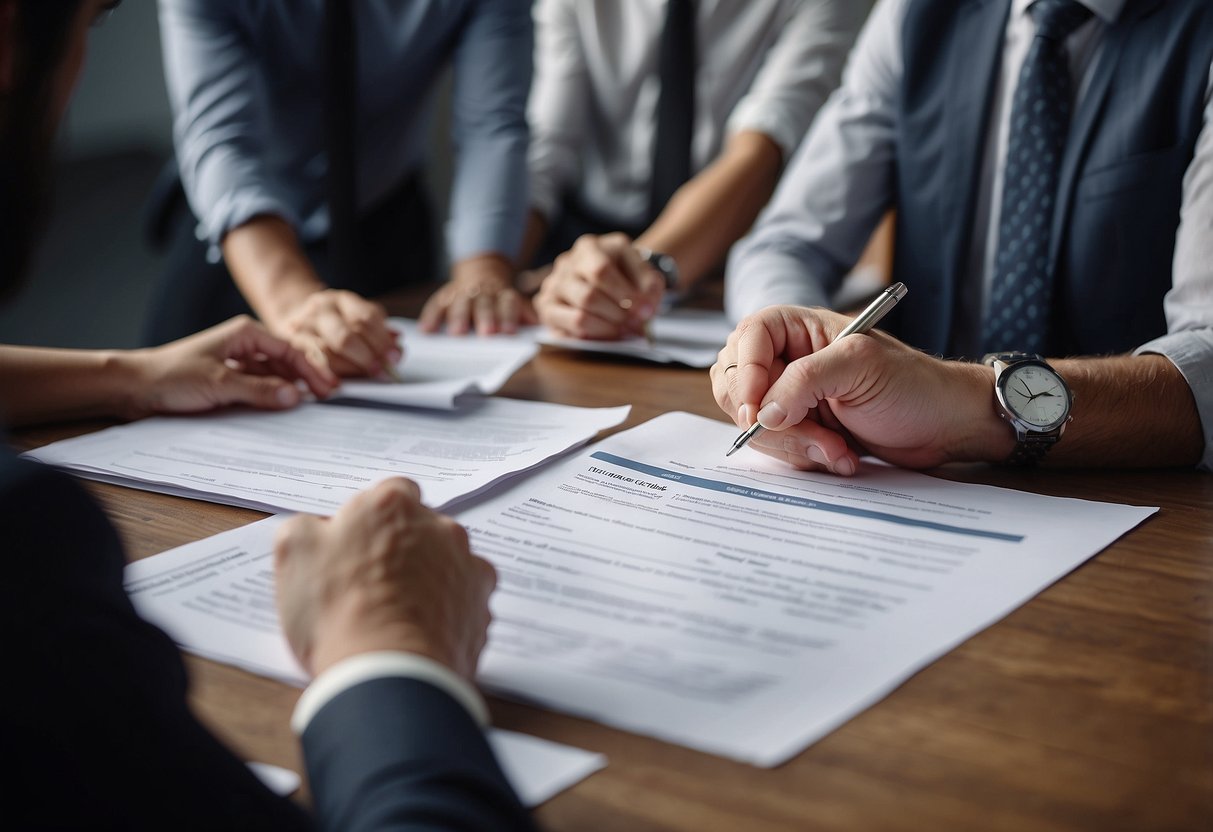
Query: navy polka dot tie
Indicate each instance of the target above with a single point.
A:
(1021, 294)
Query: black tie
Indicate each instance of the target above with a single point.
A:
(1021, 294)
(340, 124)
(675, 106)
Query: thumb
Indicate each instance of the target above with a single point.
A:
(266, 392)
(835, 372)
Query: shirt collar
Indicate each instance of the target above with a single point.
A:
(1106, 10)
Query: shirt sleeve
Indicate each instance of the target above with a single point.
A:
(799, 72)
(209, 71)
(836, 188)
(1188, 343)
(367, 666)
(558, 106)
(489, 130)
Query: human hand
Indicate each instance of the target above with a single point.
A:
(385, 573)
(824, 402)
(601, 288)
(343, 332)
(236, 362)
(480, 295)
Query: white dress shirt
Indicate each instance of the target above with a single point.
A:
(383, 664)
(841, 180)
(763, 65)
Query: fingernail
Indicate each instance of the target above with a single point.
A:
(287, 395)
(816, 455)
(772, 416)
(845, 466)
(394, 355)
(743, 416)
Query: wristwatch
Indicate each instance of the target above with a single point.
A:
(663, 263)
(1034, 399)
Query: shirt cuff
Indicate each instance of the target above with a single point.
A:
(235, 208)
(378, 665)
(762, 118)
(1191, 351)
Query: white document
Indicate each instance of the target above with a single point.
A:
(540, 769)
(743, 608)
(315, 457)
(684, 336)
(731, 605)
(215, 598)
(438, 369)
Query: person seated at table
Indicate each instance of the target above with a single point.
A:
(1052, 169)
(659, 130)
(384, 603)
(301, 131)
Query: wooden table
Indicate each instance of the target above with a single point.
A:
(1091, 707)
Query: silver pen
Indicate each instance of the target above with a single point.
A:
(864, 321)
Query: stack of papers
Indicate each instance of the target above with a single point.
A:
(316, 456)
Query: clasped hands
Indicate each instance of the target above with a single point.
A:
(600, 289)
(825, 402)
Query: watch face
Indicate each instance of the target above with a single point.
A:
(1036, 395)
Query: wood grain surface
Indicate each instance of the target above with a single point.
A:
(1090, 707)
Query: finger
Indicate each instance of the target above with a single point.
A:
(580, 294)
(755, 351)
(285, 360)
(263, 392)
(509, 310)
(434, 312)
(810, 445)
(369, 321)
(395, 492)
(484, 313)
(487, 574)
(578, 323)
(648, 281)
(459, 313)
(293, 535)
(593, 264)
(834, 373)
(342, 342)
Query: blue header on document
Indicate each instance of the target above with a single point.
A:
(790, 500)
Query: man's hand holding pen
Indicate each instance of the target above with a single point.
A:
(825, 400)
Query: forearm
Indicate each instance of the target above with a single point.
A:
(716, 208)
(1128, 411)
(270, 268)
(50, 385)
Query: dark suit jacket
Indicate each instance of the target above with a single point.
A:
(1131, 140)
(97, 733)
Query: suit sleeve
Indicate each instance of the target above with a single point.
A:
(399, 753)
(93, 708)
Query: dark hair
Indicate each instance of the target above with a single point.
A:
(27, 123)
